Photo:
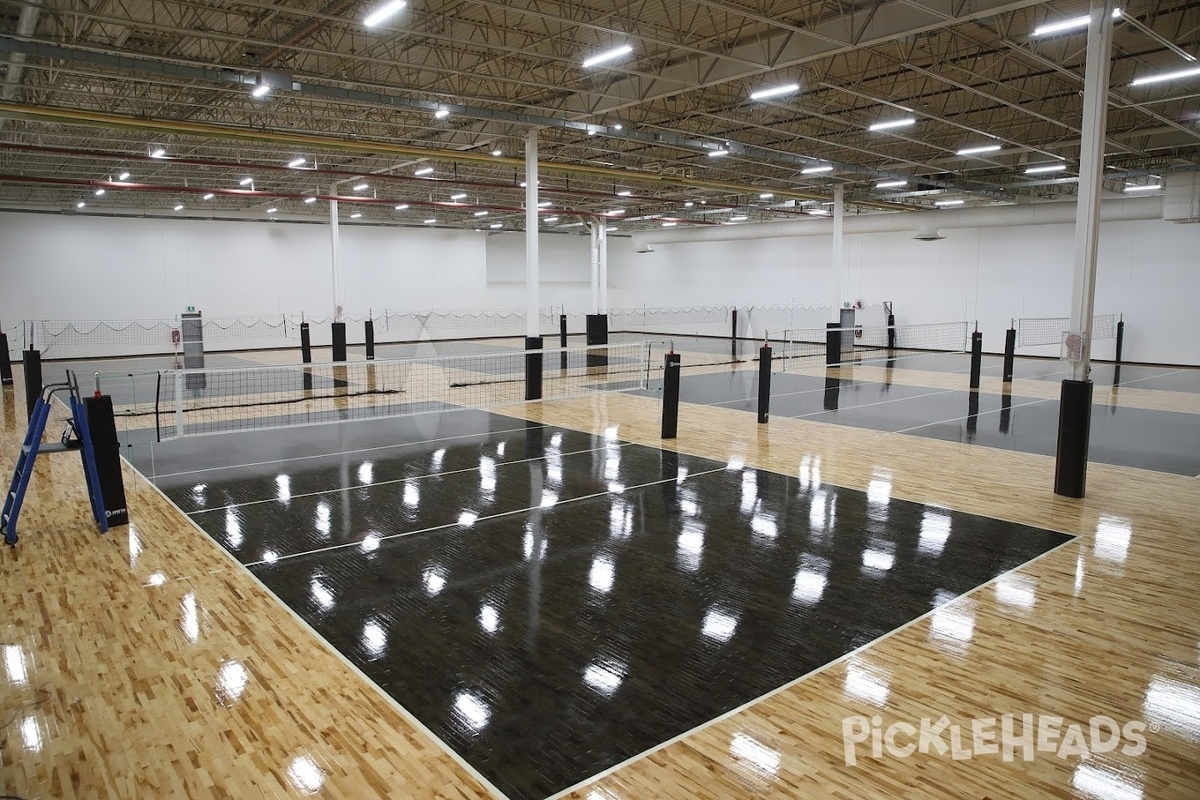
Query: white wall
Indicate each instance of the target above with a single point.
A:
(1147, 270)
(56, 266)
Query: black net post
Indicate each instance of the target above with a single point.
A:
(764, 383)
(670, 408)
(562, 340)
(976, 357)
(305, 344)
(597, 334)
(1074, 429)
(533, 368)
(369, 338)
(6, 376)
(833, 343)
(339, 341)
(306, 355)
(107, 450)
(733, 337)
(1010, 352)
(1120, 338)
(33, 379)
(891, 336)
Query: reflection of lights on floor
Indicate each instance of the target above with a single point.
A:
(719, 625)
(305, 775)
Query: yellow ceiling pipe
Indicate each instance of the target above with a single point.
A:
(374, 147)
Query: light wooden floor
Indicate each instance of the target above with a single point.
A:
(165, 670)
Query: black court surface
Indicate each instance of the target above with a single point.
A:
(551, 603)
(1164, 441)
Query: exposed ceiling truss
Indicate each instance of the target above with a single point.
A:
(667, 133)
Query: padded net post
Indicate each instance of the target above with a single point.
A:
(670, 406)
(533, 368)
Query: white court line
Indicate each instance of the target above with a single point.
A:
(345, 452)
(404, 712)
(809, 674)
(337, 489)
(484, 518)
(980, 414)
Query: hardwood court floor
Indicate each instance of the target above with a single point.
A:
(164, 670)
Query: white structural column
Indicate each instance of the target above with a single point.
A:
(602, 263)
(594, 226)
(1075, 398)
(839, 259)
(1091, 168)
(334, 253)
(532, 306)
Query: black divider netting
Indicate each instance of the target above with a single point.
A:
(204, 401)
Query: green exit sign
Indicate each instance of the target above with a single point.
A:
(191, 309)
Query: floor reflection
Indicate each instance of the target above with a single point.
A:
(547, 641)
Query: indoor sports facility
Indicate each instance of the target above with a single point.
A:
(534, 400)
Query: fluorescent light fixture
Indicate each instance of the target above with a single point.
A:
(246, 181)
(260, 90)
(361, 187)
(158, 152)
(610, 230)
(1147, 188)
(481, 213)
(1069, 24)
(669, 224)
(816, 170)
(296, 162)
(616, 212)
(818, 212)
(209, 196)
(776, 91)
(890, 184)
(179, 207)
(98, 192)
(689, 204)
(717, 153)
(739, 218)
(973, 151)
(383, 12)
(80, 204)
(949, 202)
(430, 221)
(310, 199)
(402, 207)
(550, 219)
(459, 196)
(1166, 76)
(424, 171)
(124, 176)
(497, 153)
(607, 55)
(270, 210)
(545, 204)
(441, 113)
(495, 225)
(624, 193)
(765, 196)
(356, 215)
(892, 123)
(618, 127)
(1045, 168)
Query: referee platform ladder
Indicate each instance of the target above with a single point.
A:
(33, 447)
